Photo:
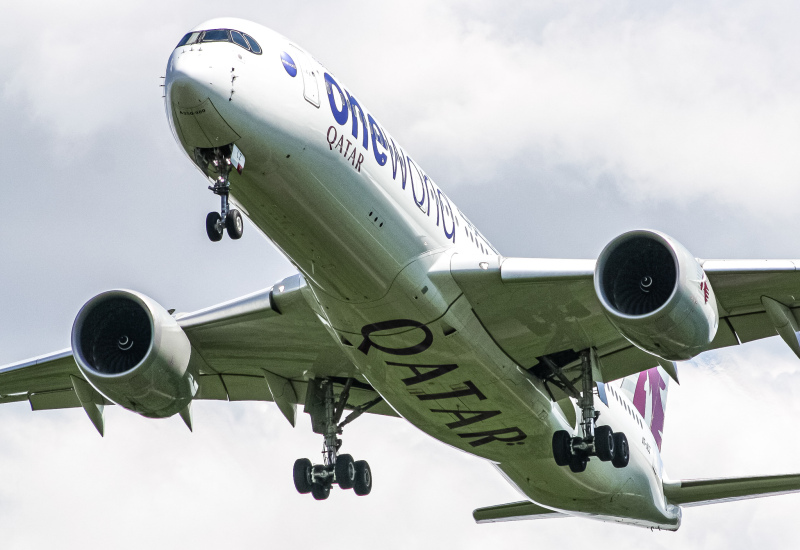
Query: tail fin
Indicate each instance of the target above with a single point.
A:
(648, 390)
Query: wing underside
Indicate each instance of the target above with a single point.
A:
(262, 347)
(541, 312)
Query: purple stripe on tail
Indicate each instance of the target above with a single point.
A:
(651, 382)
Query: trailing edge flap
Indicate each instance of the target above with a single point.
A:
(710, 491)
(514, 511)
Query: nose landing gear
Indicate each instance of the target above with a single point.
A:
(326, 413)
(599, 441)
(227, 219)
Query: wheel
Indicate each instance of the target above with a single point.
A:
(234, 224)
(320, 491)
(562, 448)
(213, 228)
(345, 470)
(577, 463)
(621, 451)
(604, 443)
(363, 481)
(302, 475)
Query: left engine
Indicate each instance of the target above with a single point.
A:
(133, 352)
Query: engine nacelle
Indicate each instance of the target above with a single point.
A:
(133, 352)
(657, 295)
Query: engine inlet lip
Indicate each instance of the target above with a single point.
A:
(606, 254)
(86, 310)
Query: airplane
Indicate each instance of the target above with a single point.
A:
(554, 370)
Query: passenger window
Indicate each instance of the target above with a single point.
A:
(218, 35)
(239, 40)
(254, 47)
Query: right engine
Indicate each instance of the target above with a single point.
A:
(657, 295)
(133, 352)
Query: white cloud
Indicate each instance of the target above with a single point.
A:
(682, 104)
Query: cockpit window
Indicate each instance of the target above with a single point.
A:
(218, 35)
(239, 40)
(254, 47)
(190, 38)
(222, 35)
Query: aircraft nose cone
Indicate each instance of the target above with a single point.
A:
(189, 80)
(193, 88)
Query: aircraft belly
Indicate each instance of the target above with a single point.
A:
(431, 359)
(628, 495)
(458, 387)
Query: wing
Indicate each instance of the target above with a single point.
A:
(261, 347)
(541, 311)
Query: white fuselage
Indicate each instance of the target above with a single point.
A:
(324, 181)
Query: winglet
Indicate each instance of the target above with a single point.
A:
(92, 402)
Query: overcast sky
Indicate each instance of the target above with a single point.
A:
(553, 125)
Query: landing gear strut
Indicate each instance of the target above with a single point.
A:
(326, 413)
(599, 441)
(226, 219)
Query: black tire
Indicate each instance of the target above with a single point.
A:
(577, 463)
(213, 229)
(562, 447)
(302, 476)
(320, 491)
(621, 451)
(345, 471)
(604, 443)
(363, 482)
(234, 224)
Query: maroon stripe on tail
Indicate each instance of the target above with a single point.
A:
(650, 381)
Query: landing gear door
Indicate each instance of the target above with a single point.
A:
(310, 77)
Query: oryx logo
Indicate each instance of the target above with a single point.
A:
(288, 64)
(704, 287)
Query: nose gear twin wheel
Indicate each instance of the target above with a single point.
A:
(226, 219)
(214, 226)
(234, 224)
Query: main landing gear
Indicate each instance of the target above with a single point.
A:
(227, 219)
(326, 413)
(599, 441)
